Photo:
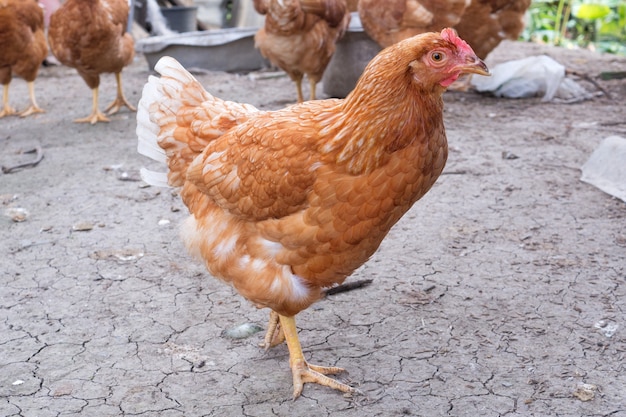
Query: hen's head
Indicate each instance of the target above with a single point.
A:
(432, 61)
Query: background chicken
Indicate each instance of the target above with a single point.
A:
(90, 35)
(487, 22)
(299, 36)
(482, 23)
(288, 202)
(22, 49)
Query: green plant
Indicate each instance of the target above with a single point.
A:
(596, 24)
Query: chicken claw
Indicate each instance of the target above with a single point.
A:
(301, 370)
(95, 117)
(304, 372)
(120, 100)
(33, 108)
(6, 110)
(117, 104)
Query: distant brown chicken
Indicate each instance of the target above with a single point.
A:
(22, 49)
(90, 35)
(482, 23)
(299, 36)
(486, 23)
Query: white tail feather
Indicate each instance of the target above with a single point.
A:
(157, 179)
(161, 101)
(173, 76)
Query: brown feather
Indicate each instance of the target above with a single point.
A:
(482, 23)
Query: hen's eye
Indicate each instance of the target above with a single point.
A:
(437, 56)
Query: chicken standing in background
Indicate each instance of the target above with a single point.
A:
(90, 35)
(299, 36)
(388, 22)
(486, 23)
(482, 23)
(22, 49)
(286, 203)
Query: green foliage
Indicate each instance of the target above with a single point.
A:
(594, 24)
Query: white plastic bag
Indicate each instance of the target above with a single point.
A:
(606, 167)
(530, 77)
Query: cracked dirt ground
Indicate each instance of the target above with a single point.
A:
(501, 293)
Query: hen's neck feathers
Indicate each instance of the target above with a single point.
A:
(386, 112)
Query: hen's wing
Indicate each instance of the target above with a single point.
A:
(264, 168)
(228, 151)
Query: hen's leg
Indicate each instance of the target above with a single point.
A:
(34, 108)
(298, 82)
(274, 335)
(96, 115)
(6, 109)
(301, 370)
(313, 87)
(120, 100)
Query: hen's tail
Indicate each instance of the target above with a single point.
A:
(177, 118)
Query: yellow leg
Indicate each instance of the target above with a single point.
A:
(301, 370)
(33, 108)
(313, 87)
(6, 109)
(299, 89)
(274, 335)
(120, 100)
(96, 115)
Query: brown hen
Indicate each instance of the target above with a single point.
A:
(299, 36)
(90, 35)
(286, 203)
(486, 23)
(22, 49)
(482, 23)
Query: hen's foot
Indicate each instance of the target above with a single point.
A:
(301, 370)
(118, 103)
(304, 372)
(31, 110)
(120, 99)
(93, 118)
(7, 111)
(274, 335)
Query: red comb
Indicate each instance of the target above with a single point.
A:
(451, 36)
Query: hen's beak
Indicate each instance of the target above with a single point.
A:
(474, 65)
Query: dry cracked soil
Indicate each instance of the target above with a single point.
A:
(501, 293)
